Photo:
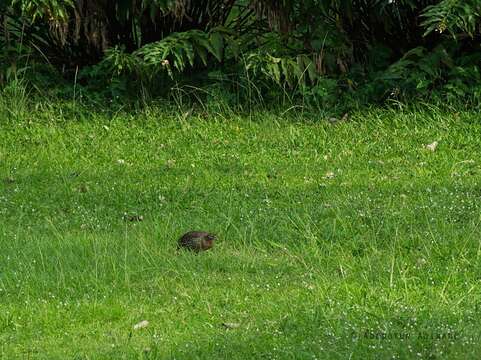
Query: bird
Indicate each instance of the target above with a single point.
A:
(196, 241)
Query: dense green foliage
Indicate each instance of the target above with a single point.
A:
(318, 51)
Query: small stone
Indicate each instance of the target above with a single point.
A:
(231, 325)
(432, 146)
(421, 262)
(133, 218)
(329, 175)
(141, 325)
(335, 120)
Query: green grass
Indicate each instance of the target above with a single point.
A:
(380, 260)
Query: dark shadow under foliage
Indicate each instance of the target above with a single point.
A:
(319, 53)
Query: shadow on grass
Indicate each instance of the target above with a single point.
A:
(311, 335)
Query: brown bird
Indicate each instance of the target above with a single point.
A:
(196, 241)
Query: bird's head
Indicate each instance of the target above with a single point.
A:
(208, 241)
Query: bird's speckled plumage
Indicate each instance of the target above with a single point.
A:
(196, 241)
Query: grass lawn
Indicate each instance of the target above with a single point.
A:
(338, 241)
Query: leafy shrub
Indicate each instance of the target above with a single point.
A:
(316, 51)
